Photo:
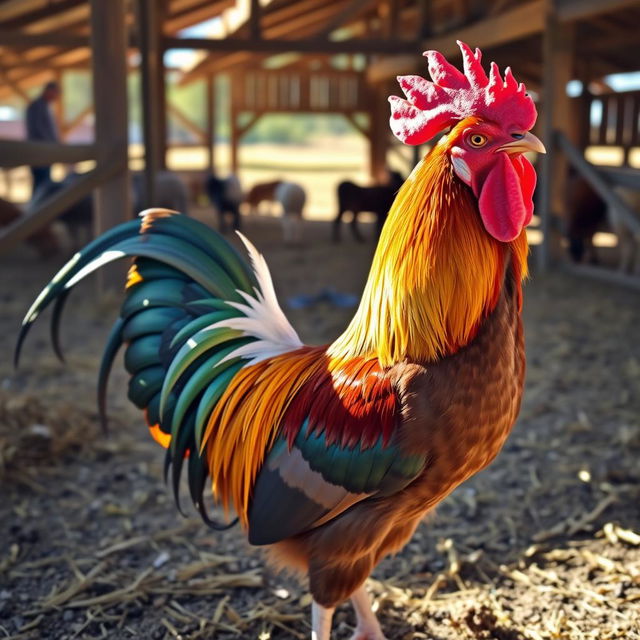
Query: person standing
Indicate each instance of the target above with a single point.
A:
(41, 127)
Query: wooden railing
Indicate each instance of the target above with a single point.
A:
(603, 181)
(286, 91)
(619, 121)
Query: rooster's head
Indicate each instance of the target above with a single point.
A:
(491, 118)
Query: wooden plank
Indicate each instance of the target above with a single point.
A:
(570, 10)
(17, 38)
(69, 126)
(187, 123)
(210, 116)
(350, 11)
(517, 23)
(149, 14)
(553, 91)
(9, 9)
(109, 61)
(255, 29)
(196, 12)
(598, 183)
(603, 275)
(16, 153)
(311, 45)
(14, 86)
(52, 207)
(621, 176)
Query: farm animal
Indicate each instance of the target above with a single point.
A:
(77, 218)
(170, 192)
(261, 192)
(376, 199)
(225, 195)
(292, 198)
(44, 241)
(331, 455)
(586, 214)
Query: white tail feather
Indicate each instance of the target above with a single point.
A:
(264, 319)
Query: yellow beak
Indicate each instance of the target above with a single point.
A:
(528, 142)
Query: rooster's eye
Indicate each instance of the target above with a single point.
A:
(477, 140)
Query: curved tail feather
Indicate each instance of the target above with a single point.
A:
(195, 313)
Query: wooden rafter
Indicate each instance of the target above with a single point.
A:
(187, 122)
(514, 24)
(345, 15)
(41, 16)
(311, 45)
(194, 13)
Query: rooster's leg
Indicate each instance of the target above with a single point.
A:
(368, 627)
(321, 622)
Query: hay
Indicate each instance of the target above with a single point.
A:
(543, 545)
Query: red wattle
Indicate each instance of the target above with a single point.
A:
(505, 200)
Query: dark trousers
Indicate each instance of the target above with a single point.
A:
(40, 175)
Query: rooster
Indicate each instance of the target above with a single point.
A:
(330, 456)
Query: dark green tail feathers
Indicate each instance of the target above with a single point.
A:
(183, 275)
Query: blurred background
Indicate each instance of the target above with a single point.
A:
(272, 116)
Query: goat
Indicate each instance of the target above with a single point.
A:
(261, 192)
(292, 197)
(377, 200)
(225, 194)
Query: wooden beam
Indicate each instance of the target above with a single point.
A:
(149, 22)
(570, 10)
(39, 17)
(199, 12)
(255, 29)
(52, 207)
(598, 183)
(522, 21)
(9, 38)
(14, 86)
(558, 58)
(357, 126)
(603, 275)
(311, 45)
(187, 122)
(109, 61)
(350, 11)
(210, 118)
(9, 9)
(15, 153)
(77, 120)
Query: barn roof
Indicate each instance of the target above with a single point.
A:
(41, 37)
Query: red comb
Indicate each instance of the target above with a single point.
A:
(452, 96)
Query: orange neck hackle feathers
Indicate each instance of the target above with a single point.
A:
(436, 273)
(435, 276)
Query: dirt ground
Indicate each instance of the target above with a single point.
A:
(544, 544)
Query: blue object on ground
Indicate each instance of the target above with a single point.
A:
(328, 294)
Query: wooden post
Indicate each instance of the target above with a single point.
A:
(378, 134)
(234, 129)
(255, 30)
(558, 57)
(235, 141)
(109, 65)
(154, 114)
(58, 107)
(211, 122)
